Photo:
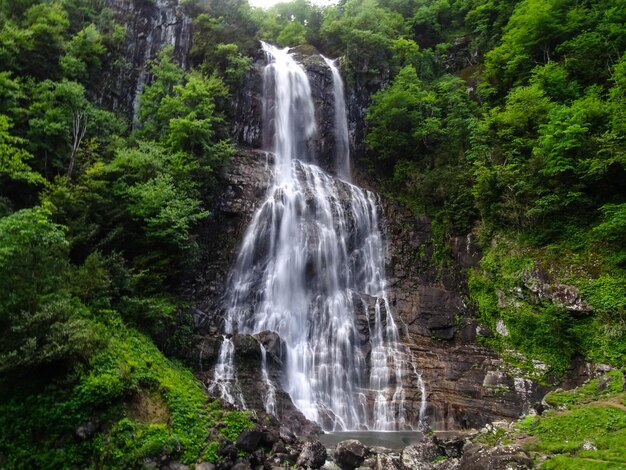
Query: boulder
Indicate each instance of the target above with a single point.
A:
(249, 440)
(313, 455)
(450, 444)
(420, 455)
(388, 462)
(350, 454)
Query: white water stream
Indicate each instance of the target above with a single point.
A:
(312, 269)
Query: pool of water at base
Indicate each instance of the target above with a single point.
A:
(395, 440)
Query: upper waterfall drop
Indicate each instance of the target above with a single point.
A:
(342, 142)
(311, 268)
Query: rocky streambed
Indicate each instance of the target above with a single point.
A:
(271, 447)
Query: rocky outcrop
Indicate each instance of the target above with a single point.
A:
(480, 457)
(244, 185)
(467, 384)
(150, 26)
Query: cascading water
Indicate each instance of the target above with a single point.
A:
(312, 269)
(342, 143)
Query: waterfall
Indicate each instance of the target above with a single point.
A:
(311, 268)
(342, 143)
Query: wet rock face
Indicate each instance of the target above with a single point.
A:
(248, 108)
(321, 81)
(150, 25)
(245, 184)
(467, 385)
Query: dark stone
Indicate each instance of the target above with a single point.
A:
(604, 382)
(279, 448)
(249, 440)
(313, 455)
(450, 443)
(271, 436)
(511, 457)
(242, 465)
(274, 346)
(350, 454)
(227, 450)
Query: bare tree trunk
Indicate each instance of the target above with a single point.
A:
(79, 128)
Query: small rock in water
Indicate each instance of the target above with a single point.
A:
(350, 454)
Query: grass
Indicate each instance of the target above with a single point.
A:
(584, 416)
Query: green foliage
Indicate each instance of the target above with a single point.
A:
(403, 118)
(564, 433)
(42, 322)
(363, 32)
(180, 110)
(13, 158)
(293, 34)
(236, 422)
(130, 367)
(83, 56)
(587, 392)
(495, 288)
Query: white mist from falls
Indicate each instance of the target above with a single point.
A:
(312, 258)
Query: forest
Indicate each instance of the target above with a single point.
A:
(503, 119)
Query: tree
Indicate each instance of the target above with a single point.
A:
(13, 157)
(41, 322)
(83, 56)
(293, 34)
(403, 118)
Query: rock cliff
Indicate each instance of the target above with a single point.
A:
(150, 25)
